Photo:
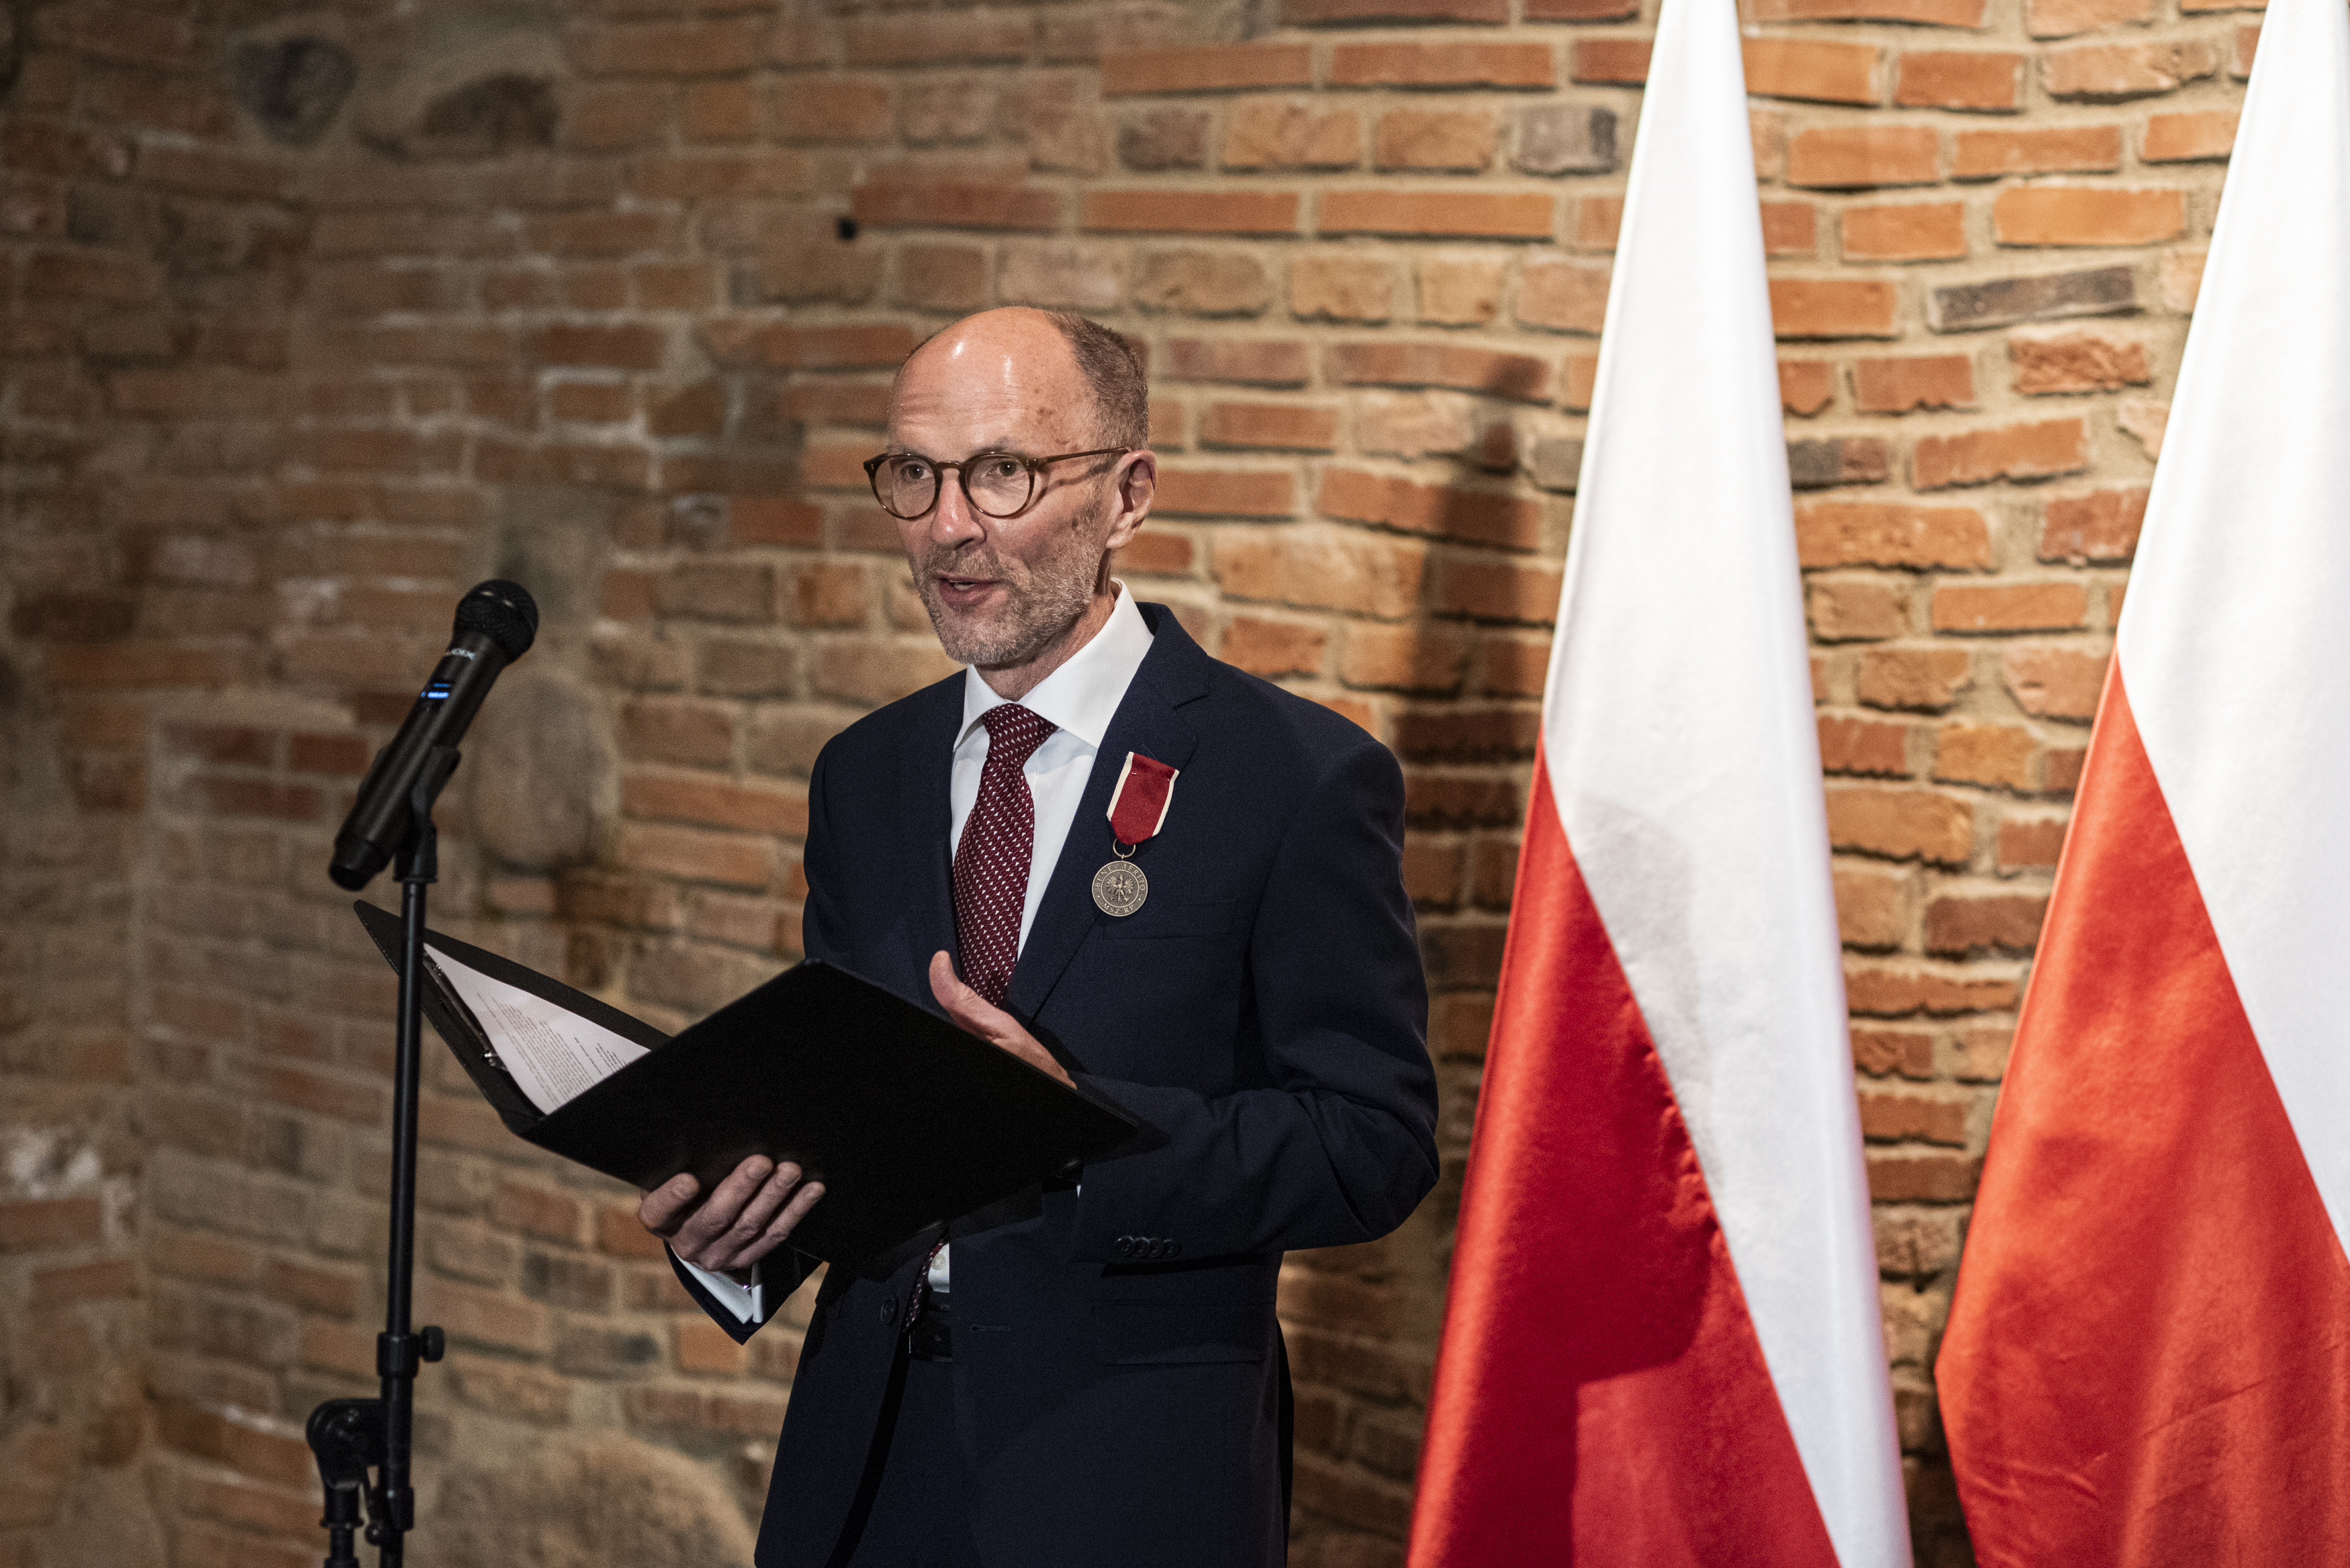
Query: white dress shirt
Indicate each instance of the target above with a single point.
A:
(1079, 700)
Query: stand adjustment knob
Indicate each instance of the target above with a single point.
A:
(435, 1343)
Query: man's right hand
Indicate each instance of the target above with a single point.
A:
(747, 1216)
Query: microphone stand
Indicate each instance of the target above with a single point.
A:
(351, 1435)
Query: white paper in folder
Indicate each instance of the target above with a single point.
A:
(551, 1053)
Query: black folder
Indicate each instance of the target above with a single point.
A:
(908, 1121)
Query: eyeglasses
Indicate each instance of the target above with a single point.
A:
(996, 484)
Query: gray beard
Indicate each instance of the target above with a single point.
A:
(1038, 610)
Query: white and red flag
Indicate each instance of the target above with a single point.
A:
(1661, 1343)
(2148, 1355)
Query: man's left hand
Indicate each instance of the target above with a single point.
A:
(977, 1015)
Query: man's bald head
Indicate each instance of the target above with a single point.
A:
(1099, 359)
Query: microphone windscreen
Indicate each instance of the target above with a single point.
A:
(502, 611)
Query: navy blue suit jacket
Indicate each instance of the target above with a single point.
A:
(1120, 1382)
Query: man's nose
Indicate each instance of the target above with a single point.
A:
(953, 520)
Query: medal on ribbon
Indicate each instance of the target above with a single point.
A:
(1136, 808)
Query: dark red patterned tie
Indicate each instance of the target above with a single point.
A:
(990, 864)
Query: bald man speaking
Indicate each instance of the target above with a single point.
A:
(1146, 873)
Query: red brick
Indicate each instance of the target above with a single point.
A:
(2036, 451)
(2049, 150)
(676, 730)
(1905, 232)
(1811, 68)
(2077, 359)
(773, 520)
(1931, 12)
(33, 1224)
(2107, 72)
(1563, 295)
(1298, 426)
(1443, 64)
(2101, 526)
(1864, 746)
(492, 1317)
(2208, 135)
(1901, 824)
(1266, 362)
(1855, 156)
(325, 1093)
(1501, 215)
(1924, 679)
(1789, 228)
(1622, 61)
(2055, 681)
(1225, 493)
(1997, 756)
(1523, 591)
(626, 348)
(834, 109)
(714, 802)
(1192, 212)
(1212, 67)
(959, 38)
(2010, 607)
(1806, 386)
(1274, 648)
(1872, 905)
(1889, 534)
(1898, 1118)
(1858, 609)
(111, 1279)
(1435, 138)
(1321, 568)
(1483, 517)
(2031, 844)
(1959, 79)
(2086, 215)
(716, 48)
(1311, 13)
(1834, 308)
(1277, 133)
(1896, 386)
(904, 200)
(1520, 377)
(732, 859)
(2062, 18)
(1958, 924)
(1886, 993)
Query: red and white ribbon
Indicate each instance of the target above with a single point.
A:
(1137, 808)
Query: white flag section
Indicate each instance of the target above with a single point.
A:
(1684, 755)
(1661, 1343)
(2235, 636)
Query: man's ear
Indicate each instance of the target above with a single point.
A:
(1137, 486)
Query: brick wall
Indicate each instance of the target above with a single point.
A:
(313, 319)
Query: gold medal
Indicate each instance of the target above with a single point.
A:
(1119, 888)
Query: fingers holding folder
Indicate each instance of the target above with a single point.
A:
(749, 1215)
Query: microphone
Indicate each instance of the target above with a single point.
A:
(495, 625)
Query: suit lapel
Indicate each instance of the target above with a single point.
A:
(1174, 672)
(930, 812)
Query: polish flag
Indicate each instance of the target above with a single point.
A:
(1661, 1344)
(2149, 1356)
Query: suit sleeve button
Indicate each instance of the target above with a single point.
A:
(1123, 1246)
(889, 1314)
(1174, 1247)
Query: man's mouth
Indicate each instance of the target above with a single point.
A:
(962, 591)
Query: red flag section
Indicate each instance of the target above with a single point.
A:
(2147, 1359)
(1603, 1396)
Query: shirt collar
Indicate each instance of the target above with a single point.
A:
(1082, 696)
